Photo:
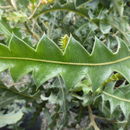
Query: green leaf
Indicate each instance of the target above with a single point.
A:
(66, 7)
(7, 31)
(105, 27)
(11, 94)
(17, 16)
(119, 6)
(48, 61)
(4, 28)
(10, 118)
(123, 28)
(118, 97)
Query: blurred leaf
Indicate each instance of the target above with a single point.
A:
(119, 5)
(105, 27)
(10, 118)
(17, 17)
(5, 29)
(13, 2)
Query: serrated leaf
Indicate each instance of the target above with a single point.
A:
(48, 61)
(11, 118)
(12, 94)
(118, 97)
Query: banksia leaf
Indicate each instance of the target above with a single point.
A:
(118, 97)
(72, 64)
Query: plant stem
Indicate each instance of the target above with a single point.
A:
(13, 3)
(5, 7)
(39, 3)
(17, 93)
(111, 121)
(31, 32)
(92, 119)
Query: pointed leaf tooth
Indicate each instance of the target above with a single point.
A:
(3, 66)
(123, 49)
(117, 97)
(4, 50)
(98, 75)
(127, 109)
(47, 49)
(75, 52)
(123, 69)
(72, 75)
(100, 53)
(113, 103)
(124, 92)
(19, 48)
(44, 72)
(20, 69)
(123, 108)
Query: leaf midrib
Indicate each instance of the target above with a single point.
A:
(66, 63)
(116, 97)
(60, 9)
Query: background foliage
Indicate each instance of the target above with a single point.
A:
(58, 107)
